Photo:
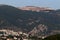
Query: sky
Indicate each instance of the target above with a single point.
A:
(55, 4)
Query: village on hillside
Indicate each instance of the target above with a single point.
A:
(12, 35)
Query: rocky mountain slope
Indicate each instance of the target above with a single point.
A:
(32, 22)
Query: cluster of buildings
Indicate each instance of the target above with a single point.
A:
(12, 35)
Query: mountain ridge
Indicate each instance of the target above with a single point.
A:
(27, 21)
(37, 9)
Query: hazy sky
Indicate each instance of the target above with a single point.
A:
(43, 3)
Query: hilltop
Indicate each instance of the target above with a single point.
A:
(37, 9)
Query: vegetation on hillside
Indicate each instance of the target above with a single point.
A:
(16, 19)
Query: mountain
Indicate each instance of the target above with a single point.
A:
(32, 22)
(37, 9)
(8, 17)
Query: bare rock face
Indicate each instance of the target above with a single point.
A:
(39, 30)
(37, 9)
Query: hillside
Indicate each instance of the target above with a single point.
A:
(27, 21)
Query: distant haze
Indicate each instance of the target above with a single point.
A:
(55, 4)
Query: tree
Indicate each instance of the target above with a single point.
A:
(53, 37)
